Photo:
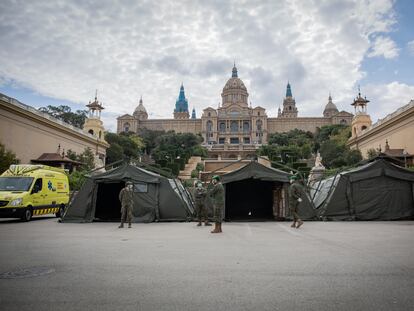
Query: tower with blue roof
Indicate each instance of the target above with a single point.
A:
(181, 106)
(289, 105)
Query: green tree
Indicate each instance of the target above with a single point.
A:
(88, 159)
(76, 180)
(149, 138)
(7, 158)
(65, 114)
(353, 156)
(372, 153)
(332, 154)
(122, 146)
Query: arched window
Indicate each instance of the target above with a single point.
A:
(126, 127)
(234, 127)
(100, 134)
(90, 132)
(290, 108)
(363, 127)
(209, 114)
(259, 125)
(222, 127)
(246, 126)
(343, 121)
(209, 126)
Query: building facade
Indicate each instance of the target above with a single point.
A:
(30, 133)
(235, 128)
(394, 132)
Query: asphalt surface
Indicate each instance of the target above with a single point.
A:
(178, 266)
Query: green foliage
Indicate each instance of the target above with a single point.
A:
(199, 151)
(287, 148)
(138, 140)
(187, 183)
(194, 174)
(293, 137)
(149, 138)
(7, 158)
(372, 153)
(122, 146)
(76, 180)
(200, 167)
(353, 157)
(332, 154)
(338, 155)
(173, 150)
(87, 158)
(325, 132)
(65, 114)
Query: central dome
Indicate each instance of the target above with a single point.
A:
(234, 92)
(234, 83)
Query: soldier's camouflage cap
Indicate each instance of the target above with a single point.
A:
(216, 177)
(293, 177)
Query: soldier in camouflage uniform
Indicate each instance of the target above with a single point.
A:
(295, 193)
(217, 196)
(127, 202)
(200, 194)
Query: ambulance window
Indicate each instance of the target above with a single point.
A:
(38, 185)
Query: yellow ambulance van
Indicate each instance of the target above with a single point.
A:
(31, 190)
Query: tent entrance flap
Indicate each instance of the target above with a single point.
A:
(249, 199)
(108, 206)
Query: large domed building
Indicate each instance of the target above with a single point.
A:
(234, 129)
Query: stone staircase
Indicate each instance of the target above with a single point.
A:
(189, 167)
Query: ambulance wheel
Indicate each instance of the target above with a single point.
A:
(27, 214)
(61, 211)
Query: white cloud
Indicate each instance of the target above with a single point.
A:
(410, 46)
(385, 47)
(67, 49)
(386, 98)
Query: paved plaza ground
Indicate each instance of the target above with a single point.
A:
(178, 266)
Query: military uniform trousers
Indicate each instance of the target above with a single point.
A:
(218, 213)
(293, 206)
(126, 215)
(201, 210)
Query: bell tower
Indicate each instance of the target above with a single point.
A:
(181, 106)
(289, 105)
(93, 123)
(361, 120)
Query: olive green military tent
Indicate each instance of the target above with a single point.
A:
(258, 192)
(156, 198)
(379, 190)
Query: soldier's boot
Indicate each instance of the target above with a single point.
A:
(216, 228)
(121, 225)
(300, 223)
(199, 223)
(294, 224)
(129, 225)
(219, 227)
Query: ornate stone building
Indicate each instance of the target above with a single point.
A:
(235, 128)
(30, 133)
(394, 130)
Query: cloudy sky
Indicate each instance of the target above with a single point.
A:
(59, 52)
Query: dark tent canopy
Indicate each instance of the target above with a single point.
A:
(379, 190)
(259, 192)
(155, 197)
